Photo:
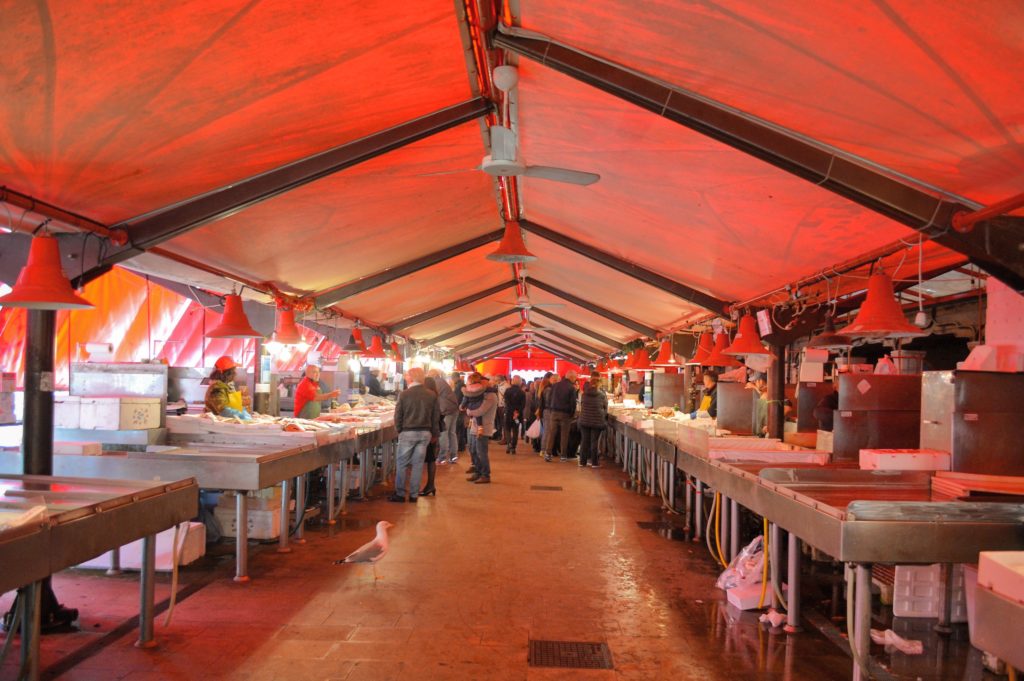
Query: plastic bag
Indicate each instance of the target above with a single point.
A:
(534, 430)
(745, 568)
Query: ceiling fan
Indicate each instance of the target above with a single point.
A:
(503, 161)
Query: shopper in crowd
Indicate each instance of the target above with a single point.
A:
(540, 395)
(758, 382)
(500, 385)
(448, 442)
(592, 420)
(529, 408)
(222, 397)
(561, 404)
(460, 422)
(709, 402)
(472, 397)
(430, 460)
(309, 394)
(417, 415)
(372, 381)
(480, 403)
(515, 404)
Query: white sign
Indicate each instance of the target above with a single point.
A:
(764, 323)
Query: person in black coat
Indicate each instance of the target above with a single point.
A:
(592, 420)
(515, 406)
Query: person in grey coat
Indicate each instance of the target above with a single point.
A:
(447, 443)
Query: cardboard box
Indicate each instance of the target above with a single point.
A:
(120, 413)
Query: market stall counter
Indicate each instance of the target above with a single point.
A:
(54, 522)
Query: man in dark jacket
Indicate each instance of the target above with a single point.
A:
(515, 405)
(561, 405)
(592, 420)
(447, 443)
(417, 416)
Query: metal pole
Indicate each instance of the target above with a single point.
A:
(241, 537)
(776, 391)
(37, 432)
(775, 553)
(344, 487)
(282, 543)
(946, 604)
(688, 497)
(723, 530)
(147, 592)
(698, 512)
(793, 580)
(331, 479)
(862, 620)
(671, 486)
(31, 597)
(300, 508)
(734, 531)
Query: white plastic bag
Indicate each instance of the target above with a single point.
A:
(745, 568)
(891, 640)
(534, 430)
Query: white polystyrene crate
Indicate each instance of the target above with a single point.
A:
(747, 596)
(67, 412)
(81, 448)
(8, 382)
(193, 547)
(6, 403)
(120, 413)
(904, 460)
(1003, 573)
(918, 591)
(260, 525)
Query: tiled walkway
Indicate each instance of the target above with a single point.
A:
(472, 575)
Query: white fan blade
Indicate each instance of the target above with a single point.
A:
(549, 304)
(561, 175)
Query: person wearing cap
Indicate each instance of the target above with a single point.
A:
(222, 397)
(308, 396)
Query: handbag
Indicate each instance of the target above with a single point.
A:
(534, 430)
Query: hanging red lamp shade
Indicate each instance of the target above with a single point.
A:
(881, 315)
(747, 340)
(233, 323)
(396, 351)
(601, 367)
(719, 356)
(376, 349)
(666, 358)
(287, 331)
(641, 360)
(512, 248)
(41, 284)
(704, 347)
(614, 367)
(830, 339)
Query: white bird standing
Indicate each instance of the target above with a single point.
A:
(373, 550)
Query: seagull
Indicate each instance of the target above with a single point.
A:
(371, 551)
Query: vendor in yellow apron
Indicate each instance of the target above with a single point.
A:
(222, 398)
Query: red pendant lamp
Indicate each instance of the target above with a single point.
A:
(747, 340)
(512, 248)
(41, 284)
(396, 351)
(881, 315)
(376, 350)
(719, 356)
(601, 367)
(704, 347)
(287, 331)
(666, 358)
(642, 361)
(614, 367)
(233, 323)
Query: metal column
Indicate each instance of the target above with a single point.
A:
(282, 542)
(31, 614)
(300, 509)
(115, 562)
(331, 482)
(698, 512)
(37, 431)
(943, 626)
(793, 580)
(241, 537)
(776, 391)
(344, 487)
(147, 593)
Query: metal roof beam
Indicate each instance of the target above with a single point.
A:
(496, 351)
(489, 347)
(336, 295)
(565, 347)
(469, 327)
(156, 227)
(445, 309)
(597, 352)
(462, 347)
(994, 244)
(596, 309)
(679, 290)
(561, 353)
(610, 342)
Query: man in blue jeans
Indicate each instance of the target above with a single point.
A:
(417, 416)
(480, 402)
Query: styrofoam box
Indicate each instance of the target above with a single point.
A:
(67, 411)
(6, 403)
(260, 525)
(904, 460)
(747, 596)
(192, 549)
(918, 592)
(120, 413)
(8, 382)
(1003, 572)
(970, 593)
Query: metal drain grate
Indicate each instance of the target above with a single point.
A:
(545, 488)
(570, 655)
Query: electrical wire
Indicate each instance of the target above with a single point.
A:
(718, 529)
(707, 532)
(176, 551)
(764, 563)
(857, 659)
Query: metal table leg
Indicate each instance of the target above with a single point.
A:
(862, 620)
(652, 487)
(241, 537)
(115, 562)
(32, 595)
(688, 501)
(147, 592)
(725, 526)
(344, 488)
(362, 473)
(943, 626)
(671, 486)
(775, 535)
(793, 580)
(734, 529)
(330, 494)
(300, 508)
(698, 512)
(282, 543)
